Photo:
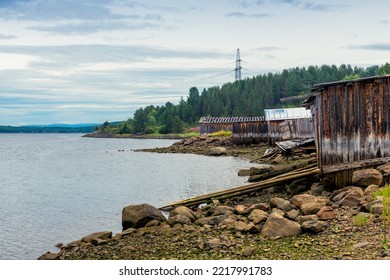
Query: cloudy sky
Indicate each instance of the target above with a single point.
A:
(72, 61)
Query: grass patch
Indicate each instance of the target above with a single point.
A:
(221, 133)
(360, 220)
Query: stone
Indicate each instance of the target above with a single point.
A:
(339, 197)
(371, 189)
(326, 213)
(248, 251)
(361, 244)
(223, 210)
(316, 189)
(258, 216)
(278, 211)
(184, 211)
(240, 226)
(350, 200)
(300, 199)
(244, 172)
(376, 208)
(312, 207)
(217, 151)
(241, 209)
(278, 226)
(128, 231)
(313, 226)
(302, 219)
(292, 214)
(49, 256)
(281, 204)
(214, 243)
(261, 206)
(97, 235)
(179, 219)
(202, 221)
(153, 223)
(137, 216)
(384, 169)
(364, 178)
(216, 220)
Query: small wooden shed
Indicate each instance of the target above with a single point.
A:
(352, 125)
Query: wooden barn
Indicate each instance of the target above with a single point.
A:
(352, 125)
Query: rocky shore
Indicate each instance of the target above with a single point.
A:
(301, 220)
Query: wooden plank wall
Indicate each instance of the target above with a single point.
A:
(352, 121)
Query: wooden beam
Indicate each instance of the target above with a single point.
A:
(291, 176)
(352, 165)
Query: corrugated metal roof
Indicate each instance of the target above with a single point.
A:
(286, 114)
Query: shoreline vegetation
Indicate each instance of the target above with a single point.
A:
(302, 220)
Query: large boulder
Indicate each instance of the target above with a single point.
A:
(300, 199)
(137, 216)
(257, 216)
(366, 177)
(309, 204)
(217, 151)
(281, 204)
(278, 226)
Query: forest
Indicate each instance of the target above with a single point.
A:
(247, 97)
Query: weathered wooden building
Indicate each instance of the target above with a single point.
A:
(277, 125)
(352, 125)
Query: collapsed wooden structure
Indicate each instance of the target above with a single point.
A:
(352, 125)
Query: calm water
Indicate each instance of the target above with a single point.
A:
(59, 187)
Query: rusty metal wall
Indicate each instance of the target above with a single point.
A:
(352, 121)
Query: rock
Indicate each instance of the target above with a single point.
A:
(244, 172)
(376, 208)
(216, 220)
(97, 235)
(49, 256)
(202, 221)
(312, 207)
(277, 226)
(316, 189)
(248, 251)
(350, 200)
(366, 177)
(153, 223)
(313, 226)
(261, 170)
(298, 186)
(217, 151)
(257, 216)
(302, 219)
(300, 199)
(260, 206)
(98, 241)
(214, 243)
(326, 213)
(241, 209)
(223, 210)
(179, 219)
(292, 214)
(371, 189)
(281, 204)
(184, 211)
(137, 216)
(361, 244)
(240, 226)
(384, 169)
(128, 231)
(278, 159)
(278, 211)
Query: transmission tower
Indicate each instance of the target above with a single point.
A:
(238, 66)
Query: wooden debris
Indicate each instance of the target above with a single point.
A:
(221, 195)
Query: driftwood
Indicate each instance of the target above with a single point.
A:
(296, 167)
(284, 178)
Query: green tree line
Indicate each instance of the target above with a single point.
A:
(247, 97)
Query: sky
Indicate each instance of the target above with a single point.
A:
(89, 61)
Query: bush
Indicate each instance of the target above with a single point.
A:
(221, 133)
